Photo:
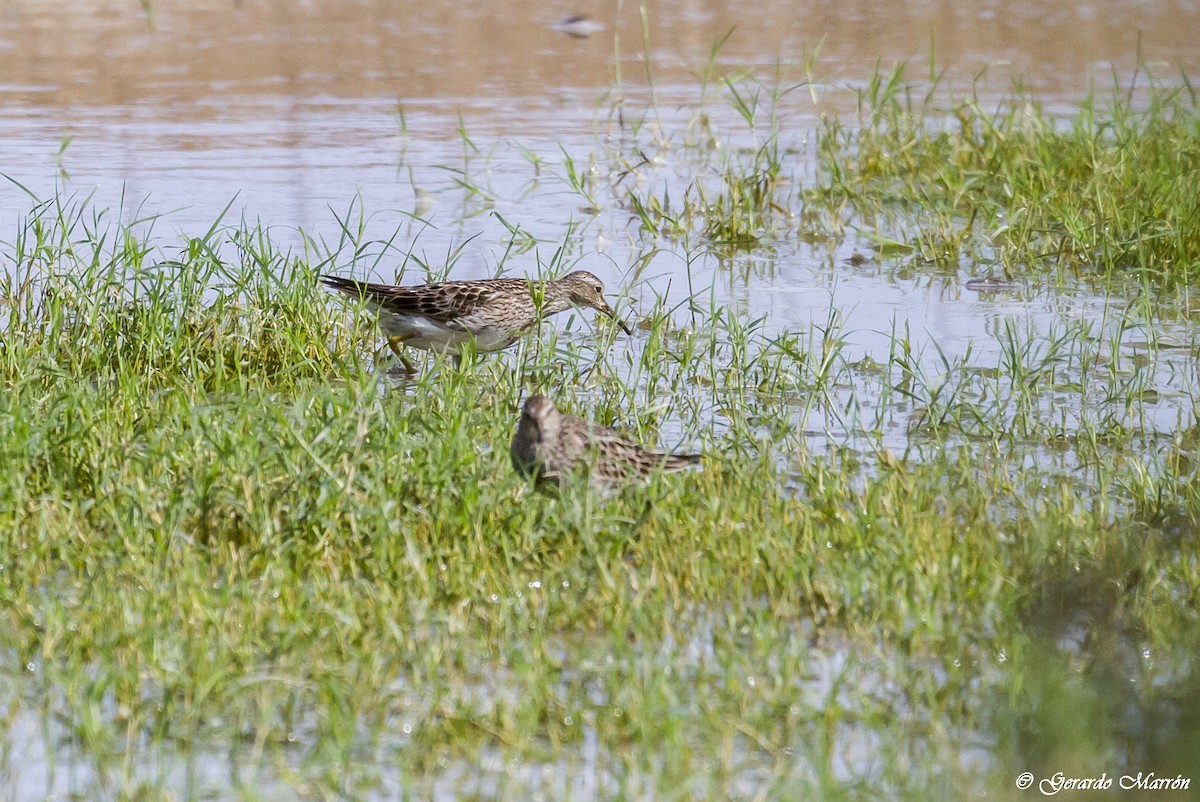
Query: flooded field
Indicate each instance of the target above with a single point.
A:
(933, 328)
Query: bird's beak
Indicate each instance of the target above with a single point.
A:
(608, 310)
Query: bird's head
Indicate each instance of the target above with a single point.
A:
(584, 289)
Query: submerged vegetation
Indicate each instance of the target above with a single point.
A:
(1108, 190)
(233, 549)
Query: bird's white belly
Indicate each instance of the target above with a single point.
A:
(429, 335)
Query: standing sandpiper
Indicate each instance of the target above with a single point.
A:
(494, 312)
(549, 446)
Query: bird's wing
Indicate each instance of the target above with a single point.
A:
(447, 302)
(628, 458)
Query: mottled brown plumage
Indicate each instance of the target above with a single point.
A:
(551, 446)
(492, 312)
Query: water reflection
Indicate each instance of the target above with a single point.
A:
(166, 51)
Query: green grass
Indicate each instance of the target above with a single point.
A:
(1106, 191)
(224, 531)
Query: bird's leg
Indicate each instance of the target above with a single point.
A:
(464, 355)
(646, 513)
(394, 343)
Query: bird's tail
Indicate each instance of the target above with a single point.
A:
(346, 285)
(677, 462)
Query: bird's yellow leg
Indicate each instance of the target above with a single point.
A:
(394, 343)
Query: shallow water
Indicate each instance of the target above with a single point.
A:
(47, 760)
(290, 110)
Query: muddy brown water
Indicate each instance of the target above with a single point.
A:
(245, 94)
(114, 52)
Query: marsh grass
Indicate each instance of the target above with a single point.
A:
(229, 541)
(1107, 190)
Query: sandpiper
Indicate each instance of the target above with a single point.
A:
(494, 312)
(550, 446)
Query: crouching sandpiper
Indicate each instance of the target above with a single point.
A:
(551, 446)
